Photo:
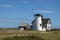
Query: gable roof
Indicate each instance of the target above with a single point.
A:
(23, 24)
(33, 21)
(45, 20)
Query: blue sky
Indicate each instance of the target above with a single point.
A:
(13, 12)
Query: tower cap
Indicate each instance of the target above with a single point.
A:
(37, 15)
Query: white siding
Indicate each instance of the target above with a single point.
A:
(36, 24)
(48, 26)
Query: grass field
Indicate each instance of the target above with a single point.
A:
(13, 34)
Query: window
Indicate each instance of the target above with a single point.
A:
(48, 27)
(40, 25)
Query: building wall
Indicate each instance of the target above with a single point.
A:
(24, 26)
(34, 27)
(44, 27)
(48, 26)
(37, 25)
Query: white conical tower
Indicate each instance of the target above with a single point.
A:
(38, 21)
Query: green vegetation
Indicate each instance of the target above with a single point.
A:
(0, 28)
(13, 34)
(24, 38)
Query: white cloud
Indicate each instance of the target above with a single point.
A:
(5, 5)
(14, 20)
(42, 11)
(9, 20)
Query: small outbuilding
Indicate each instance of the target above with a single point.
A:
(23, 26)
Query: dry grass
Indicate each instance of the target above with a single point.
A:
(48, 35)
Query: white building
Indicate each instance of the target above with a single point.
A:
(24, 26)
(40, 23)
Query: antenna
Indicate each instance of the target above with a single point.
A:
(34, 11)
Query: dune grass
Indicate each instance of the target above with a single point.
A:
(35, 35)
(24, 38)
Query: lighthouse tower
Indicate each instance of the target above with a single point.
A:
(38, 20)
(37, 23)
